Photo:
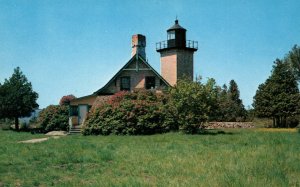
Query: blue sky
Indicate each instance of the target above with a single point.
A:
(74, 47)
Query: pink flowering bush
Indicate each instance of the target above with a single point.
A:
(54, 117)
(65, 100)
(186, 107)
(126, 113)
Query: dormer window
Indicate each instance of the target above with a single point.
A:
(150, 82)
(125, 83)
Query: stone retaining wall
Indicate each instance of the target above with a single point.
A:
(221, 125)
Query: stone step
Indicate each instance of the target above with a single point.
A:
(75, 130)
(72, 130)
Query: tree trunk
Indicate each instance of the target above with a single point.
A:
(17, 123)
(277, 122)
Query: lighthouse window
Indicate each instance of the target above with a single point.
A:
(171, 35)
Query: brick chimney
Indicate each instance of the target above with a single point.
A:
(138, 45)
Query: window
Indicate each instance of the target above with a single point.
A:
(125, 83)
(73, 110)
(171, 35)
(150, 82)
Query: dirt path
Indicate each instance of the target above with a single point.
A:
(53, 134)
(34, 140)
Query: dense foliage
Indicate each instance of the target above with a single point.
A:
(185, 107)
(191, 103)
(278, 97)
(2, 98)
(233, 104)
(226, 103)
(65, 100)
(130, 114)
(293, 59)
(17, 98)
(54, 117)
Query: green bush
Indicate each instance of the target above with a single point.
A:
(54, 117)
(191, 104)
(5, 124)
(292, 122)
(127, 113)
(263, 122)
(186, 107)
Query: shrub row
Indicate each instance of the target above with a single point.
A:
(127, 113)
(185, 107)
(54, 117)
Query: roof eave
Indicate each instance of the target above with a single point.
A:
(100, 91)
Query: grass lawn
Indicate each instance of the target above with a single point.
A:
(253, 157)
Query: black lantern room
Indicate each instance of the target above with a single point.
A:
(176, 39)
(176, 36)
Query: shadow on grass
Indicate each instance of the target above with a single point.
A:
(215, 132)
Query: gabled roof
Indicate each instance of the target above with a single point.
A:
(134, 58)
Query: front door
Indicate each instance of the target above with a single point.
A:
(82, 111)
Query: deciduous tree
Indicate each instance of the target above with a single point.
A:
(293, 59)
(192, 102)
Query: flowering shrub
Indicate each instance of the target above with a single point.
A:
(65, 100)
(126, 113)
(186, 107)
(54, 117)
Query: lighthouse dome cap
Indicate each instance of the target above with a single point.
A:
(176, 26)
